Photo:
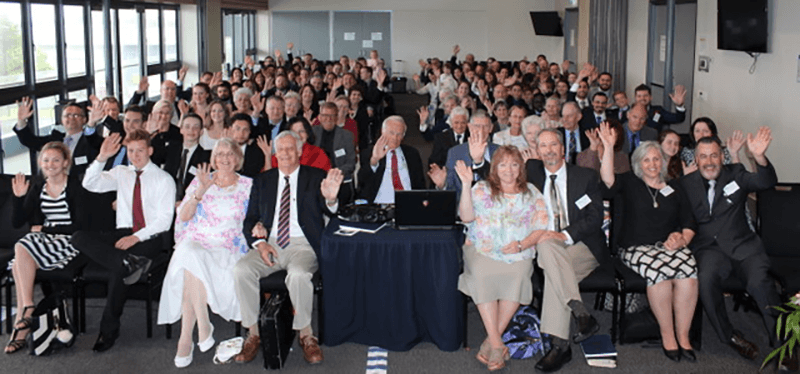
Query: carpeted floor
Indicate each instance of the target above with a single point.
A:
(134, 353)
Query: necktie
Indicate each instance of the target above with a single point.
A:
(573, 146)
(458, 139)
(283, 217)
(120, 159)
(68, 142)
(395, 173)
(138, 212)
(711, 194)
(599, 119)
(180, 176)
(559, 221)
(634, 141)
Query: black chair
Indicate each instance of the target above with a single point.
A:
(777, 225)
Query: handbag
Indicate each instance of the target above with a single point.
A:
(51, 327)
(522, 336)
(228, 349)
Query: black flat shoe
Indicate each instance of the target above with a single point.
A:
(104, 343)
(674, 355)
(688, 355)
(554, 359)
(587, 326)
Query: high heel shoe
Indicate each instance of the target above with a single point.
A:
(182, 362)
(688, 355)
(674, 355)
(23, 324)
(207, 344)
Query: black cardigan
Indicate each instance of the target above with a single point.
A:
(27, 209)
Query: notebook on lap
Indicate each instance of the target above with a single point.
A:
(424, 209)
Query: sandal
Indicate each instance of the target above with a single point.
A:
(15, 344)
(24, 323)
(497, 358)
(483, 353)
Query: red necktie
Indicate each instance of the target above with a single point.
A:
(396, 174)
(283, 216)
(138, 212)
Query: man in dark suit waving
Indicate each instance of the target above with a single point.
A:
(283, 225)
(576, 244)
(389, 166)
(724, 244)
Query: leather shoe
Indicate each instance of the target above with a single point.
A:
(135, 267)
(745, 348)
(311, 351)
(587, 326)
(249, 349)
(104, 342)
(688, 355)
(674, 354)
(555, 359)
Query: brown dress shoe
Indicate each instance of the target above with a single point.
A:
(742, 346)
(311, 351)
(249, 350)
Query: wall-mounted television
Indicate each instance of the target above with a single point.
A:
(547, 23)
(742, 25)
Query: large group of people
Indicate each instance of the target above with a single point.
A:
(241, 173)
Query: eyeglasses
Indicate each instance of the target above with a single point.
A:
(72, 115)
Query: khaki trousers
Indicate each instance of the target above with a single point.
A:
(564, 267)
(300, 263)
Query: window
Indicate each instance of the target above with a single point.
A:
(238, 29)
(170, 35)
(99, 54)
(16, 158)
(129, 52)
(79, 96)
(153, 36)
(12, 71)
(44, 42)
(46, 114)
(75, 38)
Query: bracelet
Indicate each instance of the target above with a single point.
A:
(519, 246)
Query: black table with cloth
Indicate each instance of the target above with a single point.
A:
(392, 289)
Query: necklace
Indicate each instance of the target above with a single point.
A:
(653, 195)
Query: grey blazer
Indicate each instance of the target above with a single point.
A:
(344, 157)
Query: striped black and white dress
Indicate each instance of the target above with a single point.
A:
(51, 251)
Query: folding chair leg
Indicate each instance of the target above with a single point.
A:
(76, 300)
(82, 290)
(696, 330)
(320, 317)
(623, 302)
(168, 331)
(8, 304)
(149, 306)
(466, 324)
(614, 320)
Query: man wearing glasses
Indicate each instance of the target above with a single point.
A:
(338, 146)
(83, 148)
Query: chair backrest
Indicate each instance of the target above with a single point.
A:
(778, 219)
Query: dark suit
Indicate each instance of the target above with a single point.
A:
(589, 119)
(162, 141)
(370, 182)
(585, 225)
(173, 164)
(461, 152)
(253, 161)
(85, 150)
(724, 245)
(645, 134)
(372, 94)
(442, 143)
(584, 141)
(664, 117)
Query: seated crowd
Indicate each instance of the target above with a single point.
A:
(243, 172)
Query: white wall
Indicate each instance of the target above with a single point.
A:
(425, 28)
(735, 99)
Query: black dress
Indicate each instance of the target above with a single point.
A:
(648, 221)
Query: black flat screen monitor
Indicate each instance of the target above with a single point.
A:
(547, 23)
(742, 25)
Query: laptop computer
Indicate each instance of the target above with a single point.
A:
(424, 209)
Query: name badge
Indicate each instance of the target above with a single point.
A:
(667, 190)
(193, 170)
(339, 152)
(106, 132)
(730, 188)
(80, 160)
(583, 201)
(656, 117)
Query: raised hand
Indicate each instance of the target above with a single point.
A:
(379, 150)
(277, 53)
(19, 185)
(330, 185)
(110, 146)
(608, 135)
(735, 142)
(249, 61)
(687, 169)
(183, 107)
(456, 49)
(529, 154)
(216, 79)
(264, 144)
(381, 76)
(143, 85)
(337, 83)
(759, 143)
(594, 138)
(204, 179)
(97, 111)
(182, 73)
(679, 95)
(565, 66)
(423, 114)
(289, 46)
(415, 77)
(464, 173)
(258, 105)
(438, 175)
(422, 63)
(477, 146)
(24, 110)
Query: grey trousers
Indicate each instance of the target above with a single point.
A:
(564, 267)
(300, 263)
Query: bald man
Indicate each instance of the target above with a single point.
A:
(635, 130)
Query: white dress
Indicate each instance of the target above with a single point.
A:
(208, 247)
(207, 142)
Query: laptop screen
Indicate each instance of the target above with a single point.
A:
(419, 208)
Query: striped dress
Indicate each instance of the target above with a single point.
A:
(51, 251)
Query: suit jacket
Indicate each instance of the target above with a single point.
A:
(370, 182)
(583, 140)
(646, 133)
(664, 117)
(461, 152)
(173, 162)
(310, 204)
(342, 141)
(162, 141)
(442, 143)
(253, 161)
(85, 151)
(585, 224)
(372, 94)
(588, 121)
(725, 227)
(28, 208)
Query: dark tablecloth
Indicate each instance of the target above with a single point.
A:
(392, 289)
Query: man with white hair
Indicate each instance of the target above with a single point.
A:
(457, 134)
(389, 166)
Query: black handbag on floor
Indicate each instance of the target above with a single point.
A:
(275, 327)
(52, 327)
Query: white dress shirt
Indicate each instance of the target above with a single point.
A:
(188, 157)
(561, 184)
(386, 191)
(294, 224)
(157, 189)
